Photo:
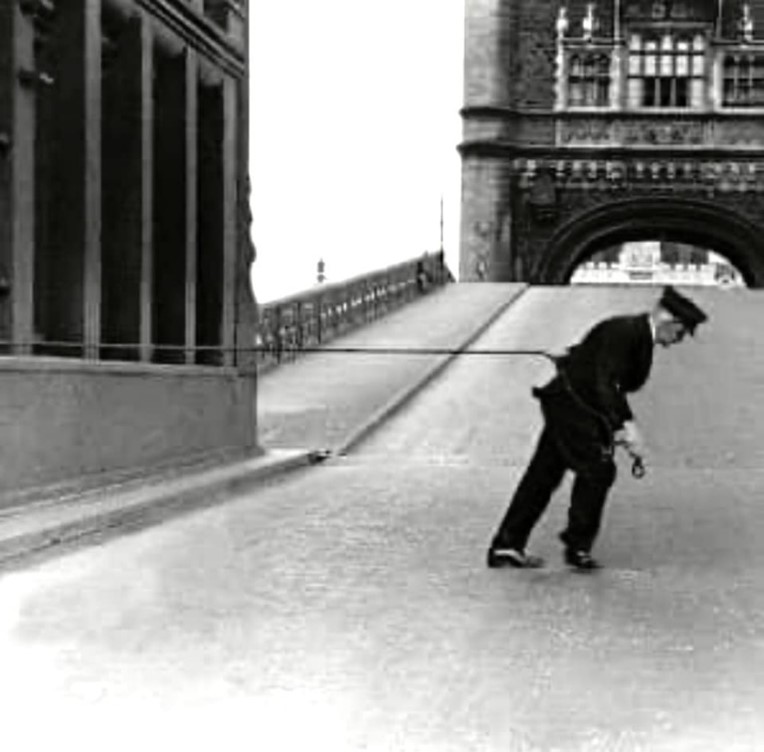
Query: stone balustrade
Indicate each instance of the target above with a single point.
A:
(310, 319)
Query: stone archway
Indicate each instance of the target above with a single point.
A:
(691, 221)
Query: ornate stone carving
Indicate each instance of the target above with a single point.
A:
(603, 131)
(545, 181)
(592, 131)
(562, 23)
(542, 196)
(738, 132)
(663, 133)
(663, 10)
(247, 311)
(745, 24)
(590, 23)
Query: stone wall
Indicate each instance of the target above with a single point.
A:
(64, 421)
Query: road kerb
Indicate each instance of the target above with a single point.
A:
(405, 395)
(156, 504)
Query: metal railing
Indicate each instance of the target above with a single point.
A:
(311, 318)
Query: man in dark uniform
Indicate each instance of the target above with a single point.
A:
(586, 415)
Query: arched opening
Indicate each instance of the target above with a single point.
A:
(671, 222)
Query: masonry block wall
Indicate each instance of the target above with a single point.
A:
(486, 219)
(489, 48)
(488, 24)
(533, 64)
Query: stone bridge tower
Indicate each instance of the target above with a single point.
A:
(589, 124)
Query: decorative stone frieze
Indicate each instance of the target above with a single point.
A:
(609, 131)
(595, 131)
(661, 132)
(623, 175)
(743, 132)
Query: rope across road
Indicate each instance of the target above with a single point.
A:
(277, 349)
(638, 469)
(418, 351)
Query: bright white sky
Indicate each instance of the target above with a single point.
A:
(354, 126)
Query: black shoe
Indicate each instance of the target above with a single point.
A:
(499, 556)
(581, 560)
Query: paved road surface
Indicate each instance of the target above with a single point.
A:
(299, 403)
(347, 607)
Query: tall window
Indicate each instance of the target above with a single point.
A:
(667, 70)
(744, 81)
(589, 80)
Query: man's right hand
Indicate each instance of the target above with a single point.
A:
(630, 437)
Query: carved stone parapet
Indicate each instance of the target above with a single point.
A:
(548, 177)
(605, 131)
(595, 131)
(660, 132)
(748, 132)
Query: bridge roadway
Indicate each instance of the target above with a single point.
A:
(347, 606)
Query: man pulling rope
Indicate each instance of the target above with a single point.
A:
(586, 416)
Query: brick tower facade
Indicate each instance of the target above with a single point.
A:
(589, 124)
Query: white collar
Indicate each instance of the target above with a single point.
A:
(652, 327)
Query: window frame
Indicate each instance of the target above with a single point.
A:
(589, 73)
(666, 69)
(742, 67)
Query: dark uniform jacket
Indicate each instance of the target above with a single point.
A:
(585, 403)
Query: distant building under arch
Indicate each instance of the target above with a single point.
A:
(657, 262)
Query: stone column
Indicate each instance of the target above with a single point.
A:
(147, 185)
(7, 36)
(486, 227)
(230, 206)
(488, 89)
(192, 192)
(17, 177)
(92, 176)
(247, 313)
(487, 52)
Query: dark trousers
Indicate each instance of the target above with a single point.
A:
(542, 477)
